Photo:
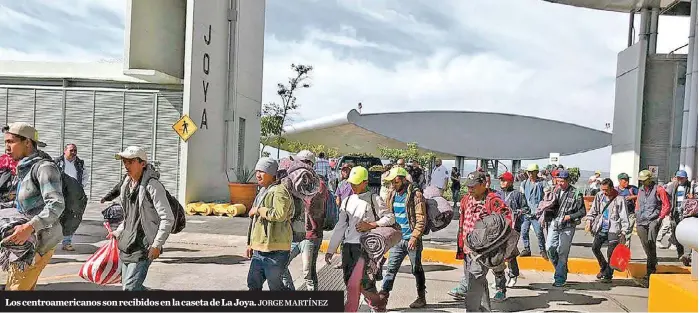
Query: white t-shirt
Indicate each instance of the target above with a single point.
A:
(596, 183)
(439, 175)
(70, 169)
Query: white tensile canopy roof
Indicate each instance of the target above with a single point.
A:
(669, 7)
(474, 135)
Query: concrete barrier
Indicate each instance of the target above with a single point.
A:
(672, 293)
(536, 263)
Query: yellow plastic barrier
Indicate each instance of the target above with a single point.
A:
(672, 293)
(230, 210)
(199, 208)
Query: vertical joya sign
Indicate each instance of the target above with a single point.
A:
(206, 68)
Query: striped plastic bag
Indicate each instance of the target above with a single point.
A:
(103, 267)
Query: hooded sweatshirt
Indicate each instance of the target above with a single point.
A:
(43, 204)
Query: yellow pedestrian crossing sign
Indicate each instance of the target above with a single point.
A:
(185, 127)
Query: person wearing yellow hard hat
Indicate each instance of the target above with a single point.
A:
(408, 205)
(533, 190)
(652, 206)
(359, 213)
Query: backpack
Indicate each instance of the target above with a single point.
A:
(438, 212)
(298, 219)
(74, 197)
(491, 241)
(177, 211)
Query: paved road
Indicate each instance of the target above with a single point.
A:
(208, 256)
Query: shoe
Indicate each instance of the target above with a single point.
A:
(512, 281)
(68, 247)
(457, 293)
(544, 255)
(686, 260)
(559, 284)
(420, 302)
(660, 245)
(600, 275)
(526, 252)
(499, 296)
(605, 280)
(673, 247)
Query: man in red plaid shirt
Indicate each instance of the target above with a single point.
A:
(478, 203)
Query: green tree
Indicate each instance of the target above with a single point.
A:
(295, 147)
(278, 113)
(411, 152)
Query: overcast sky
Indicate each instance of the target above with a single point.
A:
(525, 57)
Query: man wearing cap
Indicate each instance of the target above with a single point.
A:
(359, 213)
(630, 193)
(568, 210)
(148, 218)
(478, 203)
(677, 191)
(270, 235)
(39, 199)
(533, 190)
(314, 220)
(519, 206)
(408, 206)
(652, 206)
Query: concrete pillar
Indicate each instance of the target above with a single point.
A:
(692, 129)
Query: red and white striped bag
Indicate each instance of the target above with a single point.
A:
(103, 267)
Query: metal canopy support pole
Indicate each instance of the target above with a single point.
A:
(632, 16)
(653, 31)
(644, 27)
(691, 96)
(688, 85)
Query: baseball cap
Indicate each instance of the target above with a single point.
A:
(644, 175)
(623, 176)
(681, 174)
(507, 176)
(132, 152)
(395, 172)
(358, 175)
(306, 155)
(563, 174)
(598, 172)
(25, 130)
(533, 167)
(475, 178)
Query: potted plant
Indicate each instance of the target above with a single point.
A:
(242, 190)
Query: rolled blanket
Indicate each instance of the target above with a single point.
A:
(439, 212)
(379, 240)
(22, 255)
(302, 181)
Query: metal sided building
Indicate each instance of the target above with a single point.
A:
(181, 57)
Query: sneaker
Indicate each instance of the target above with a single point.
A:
(660, 245)
(559, 284)
(68, 247)
(673, 247)
(544, 255)
(457, 293)
(686, 260)
(526, 252)
(605, 280)
(499, 296)
(512, 281)
(600, 275)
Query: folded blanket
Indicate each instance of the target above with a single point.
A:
(284, 164)
(22, 255)
(379, 240)
(302, 181)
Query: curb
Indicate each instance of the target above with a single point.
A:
(535, 263)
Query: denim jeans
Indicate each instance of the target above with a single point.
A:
(600, 239)
(395, 259)
(533, 222)
(308, 249)
(134, 274)
(67, 240)
(558, 247)
(267, 266)
(455, 194)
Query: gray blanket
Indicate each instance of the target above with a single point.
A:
(20, 255)
(379, 240)
(439, 212)
(302, 181)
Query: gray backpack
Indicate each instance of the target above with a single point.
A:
(74, 197)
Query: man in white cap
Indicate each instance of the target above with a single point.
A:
(39, 199)
(148, 218)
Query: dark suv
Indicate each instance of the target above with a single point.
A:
(366, 162)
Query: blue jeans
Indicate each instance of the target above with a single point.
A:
(558, 247)
(395, 259)
(526, 222)
(134, 274)
(308, 249)
(67, 240)
(267, 266)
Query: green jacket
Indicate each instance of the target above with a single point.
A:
(271, 230)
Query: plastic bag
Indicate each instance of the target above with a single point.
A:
(103, 267)
(620, 258)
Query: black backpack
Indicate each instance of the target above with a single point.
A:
(489, 240)
(177, 211)
(6, 183)
(73, 195)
